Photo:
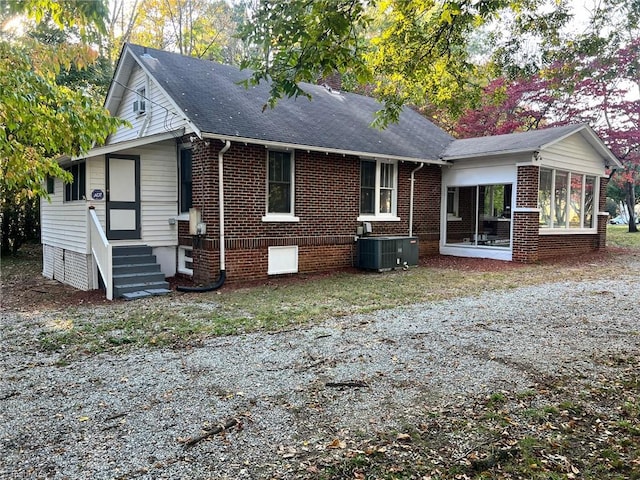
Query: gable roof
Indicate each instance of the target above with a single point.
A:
(526, 142)
(209, 95)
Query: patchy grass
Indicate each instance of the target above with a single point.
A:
(619, 236)
(288, 303)
(553, 432)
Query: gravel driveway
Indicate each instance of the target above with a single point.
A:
(127, 415)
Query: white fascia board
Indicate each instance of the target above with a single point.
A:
(496, 153)
(136, 142)
(126, 57)
(310, 148)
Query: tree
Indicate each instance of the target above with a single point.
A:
(198, 28)
(41, 120)
(409, 50)
(590, 89)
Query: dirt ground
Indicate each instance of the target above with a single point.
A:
(23, 288)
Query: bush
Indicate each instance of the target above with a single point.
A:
(20, 222)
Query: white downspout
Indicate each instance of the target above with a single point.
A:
(413, 180)
(227, 145)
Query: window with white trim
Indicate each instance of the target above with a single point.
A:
(378, 188)
(140, 103)
(566, 199)
(280, 183)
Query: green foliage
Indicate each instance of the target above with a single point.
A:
(48, 104)
(20, 223)
(87, 16)
(298, 41)
(198, 28)
(410, 51)
(39, 122)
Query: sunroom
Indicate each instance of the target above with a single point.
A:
(477, 220)
(525, 196)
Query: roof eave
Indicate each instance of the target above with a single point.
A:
(312, 148)
(450, 158)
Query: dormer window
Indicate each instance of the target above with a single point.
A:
(139, 105)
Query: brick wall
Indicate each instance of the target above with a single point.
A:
(601, 242)
(327, 199)
(529, 246)
(566, 245)
(526, 224)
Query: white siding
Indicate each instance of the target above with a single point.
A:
(64, 224)
(96, 181)
(575, 154)
(158, 192)
(159, 117)
(484, 171)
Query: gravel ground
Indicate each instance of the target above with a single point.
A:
(127, 415)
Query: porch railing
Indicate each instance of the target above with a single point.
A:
(101, 251)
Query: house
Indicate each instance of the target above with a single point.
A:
(205, 184)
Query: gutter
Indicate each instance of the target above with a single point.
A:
(413, 181)
(223, 273)
(327, 150)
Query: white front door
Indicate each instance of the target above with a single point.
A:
(123, 196)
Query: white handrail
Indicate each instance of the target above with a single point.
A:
(101, 251)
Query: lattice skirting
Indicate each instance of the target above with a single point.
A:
(66, 266)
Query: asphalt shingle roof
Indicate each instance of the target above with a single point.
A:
(530, 141)
(210, 96)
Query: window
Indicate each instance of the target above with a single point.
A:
(483, 216)
(566, 199)
(496, 200)
(51, 185)
(139, 105)
(186, 192)
(453, 196)
(76, 190)
(279, 183)
(378, 188)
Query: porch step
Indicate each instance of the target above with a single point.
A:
(136, 274)
(145, 293)
(123, 269)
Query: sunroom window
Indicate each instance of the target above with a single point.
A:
(378, 185)
(453, 202)
(566, 199)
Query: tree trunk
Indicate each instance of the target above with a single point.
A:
(631, 203)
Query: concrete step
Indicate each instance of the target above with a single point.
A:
(133, 259)
(145, 293)
(136, 274)
(120, 290)
(131, 250)
(137, 277)
(127, 268)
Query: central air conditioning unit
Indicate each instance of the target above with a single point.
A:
(387, 253)
(138, 106)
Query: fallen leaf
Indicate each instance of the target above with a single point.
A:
(337, 443)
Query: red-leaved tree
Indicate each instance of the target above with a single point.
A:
(601, 90)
